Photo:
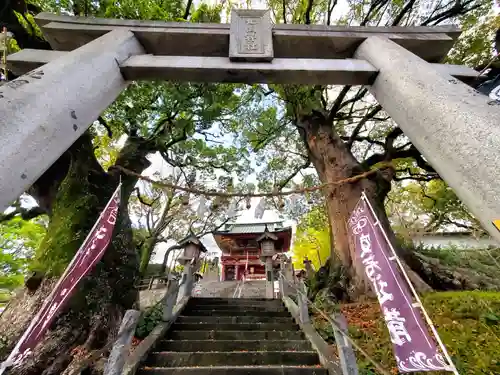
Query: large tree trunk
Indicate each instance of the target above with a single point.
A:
(333, 162)
(93, 314)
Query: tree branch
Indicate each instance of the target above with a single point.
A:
(406, 9)
(284, 11)
(308, 12)
(360, 124)
(338, 103)
(25, 214)
(458, 9)
(391, 137)
(364, 139)
(188, 9)
(361, 92)
(105, 124)
(283, 183)
(331, 5)
(375, 6)
(141, 199)
(415, 176)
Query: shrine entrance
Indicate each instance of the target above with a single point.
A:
(93, 60)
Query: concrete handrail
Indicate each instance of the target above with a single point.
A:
(120, 360)
(142, 350)
(300, 312)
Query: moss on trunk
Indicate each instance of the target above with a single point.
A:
(92, 315)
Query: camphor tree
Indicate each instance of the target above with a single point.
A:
(176, 120)
(342, 132)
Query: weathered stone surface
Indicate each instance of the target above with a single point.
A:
(235, 327)
(219, 69)
(121, 347)
(251, 37)
(235, 335)
(44, 112)
(240, 370)
(181, 359)
(234, 345)
(212, 40)
(455, 127)
(344, 348)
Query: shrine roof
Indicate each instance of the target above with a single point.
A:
(242, 228)
(191, 238)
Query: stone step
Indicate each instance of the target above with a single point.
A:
(235, 327)
(246, 358)
(239, 309)
(233, 345)
(235, 335)
(234, 313)
(234, 319)
(241, 370)
(236, 301)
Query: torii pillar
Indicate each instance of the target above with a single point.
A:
(56, 105)
(456, 128)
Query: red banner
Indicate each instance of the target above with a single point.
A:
(84, 260)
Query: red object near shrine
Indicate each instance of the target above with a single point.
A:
(241, 251)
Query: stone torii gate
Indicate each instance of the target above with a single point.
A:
(63, 91)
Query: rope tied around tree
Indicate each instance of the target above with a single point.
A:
(274, 193)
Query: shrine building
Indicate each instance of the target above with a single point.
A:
(242, 248)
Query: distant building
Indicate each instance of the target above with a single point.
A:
(241, 251)
(460, 240)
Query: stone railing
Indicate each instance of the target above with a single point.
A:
(346, 362)
(121, 361)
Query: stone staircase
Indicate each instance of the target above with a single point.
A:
(226, 336)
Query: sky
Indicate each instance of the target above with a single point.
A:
(244, 216)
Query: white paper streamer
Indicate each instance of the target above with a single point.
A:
(231, 211)
(202, 207)
(259, 210)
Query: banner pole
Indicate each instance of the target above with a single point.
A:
(7, 363)
(410, 284)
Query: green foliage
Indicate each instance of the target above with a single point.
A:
(312, 239)
(479, 266)
(428, 207)
(467, 323)
(149, 320)
(18, 240)
(475, 45)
